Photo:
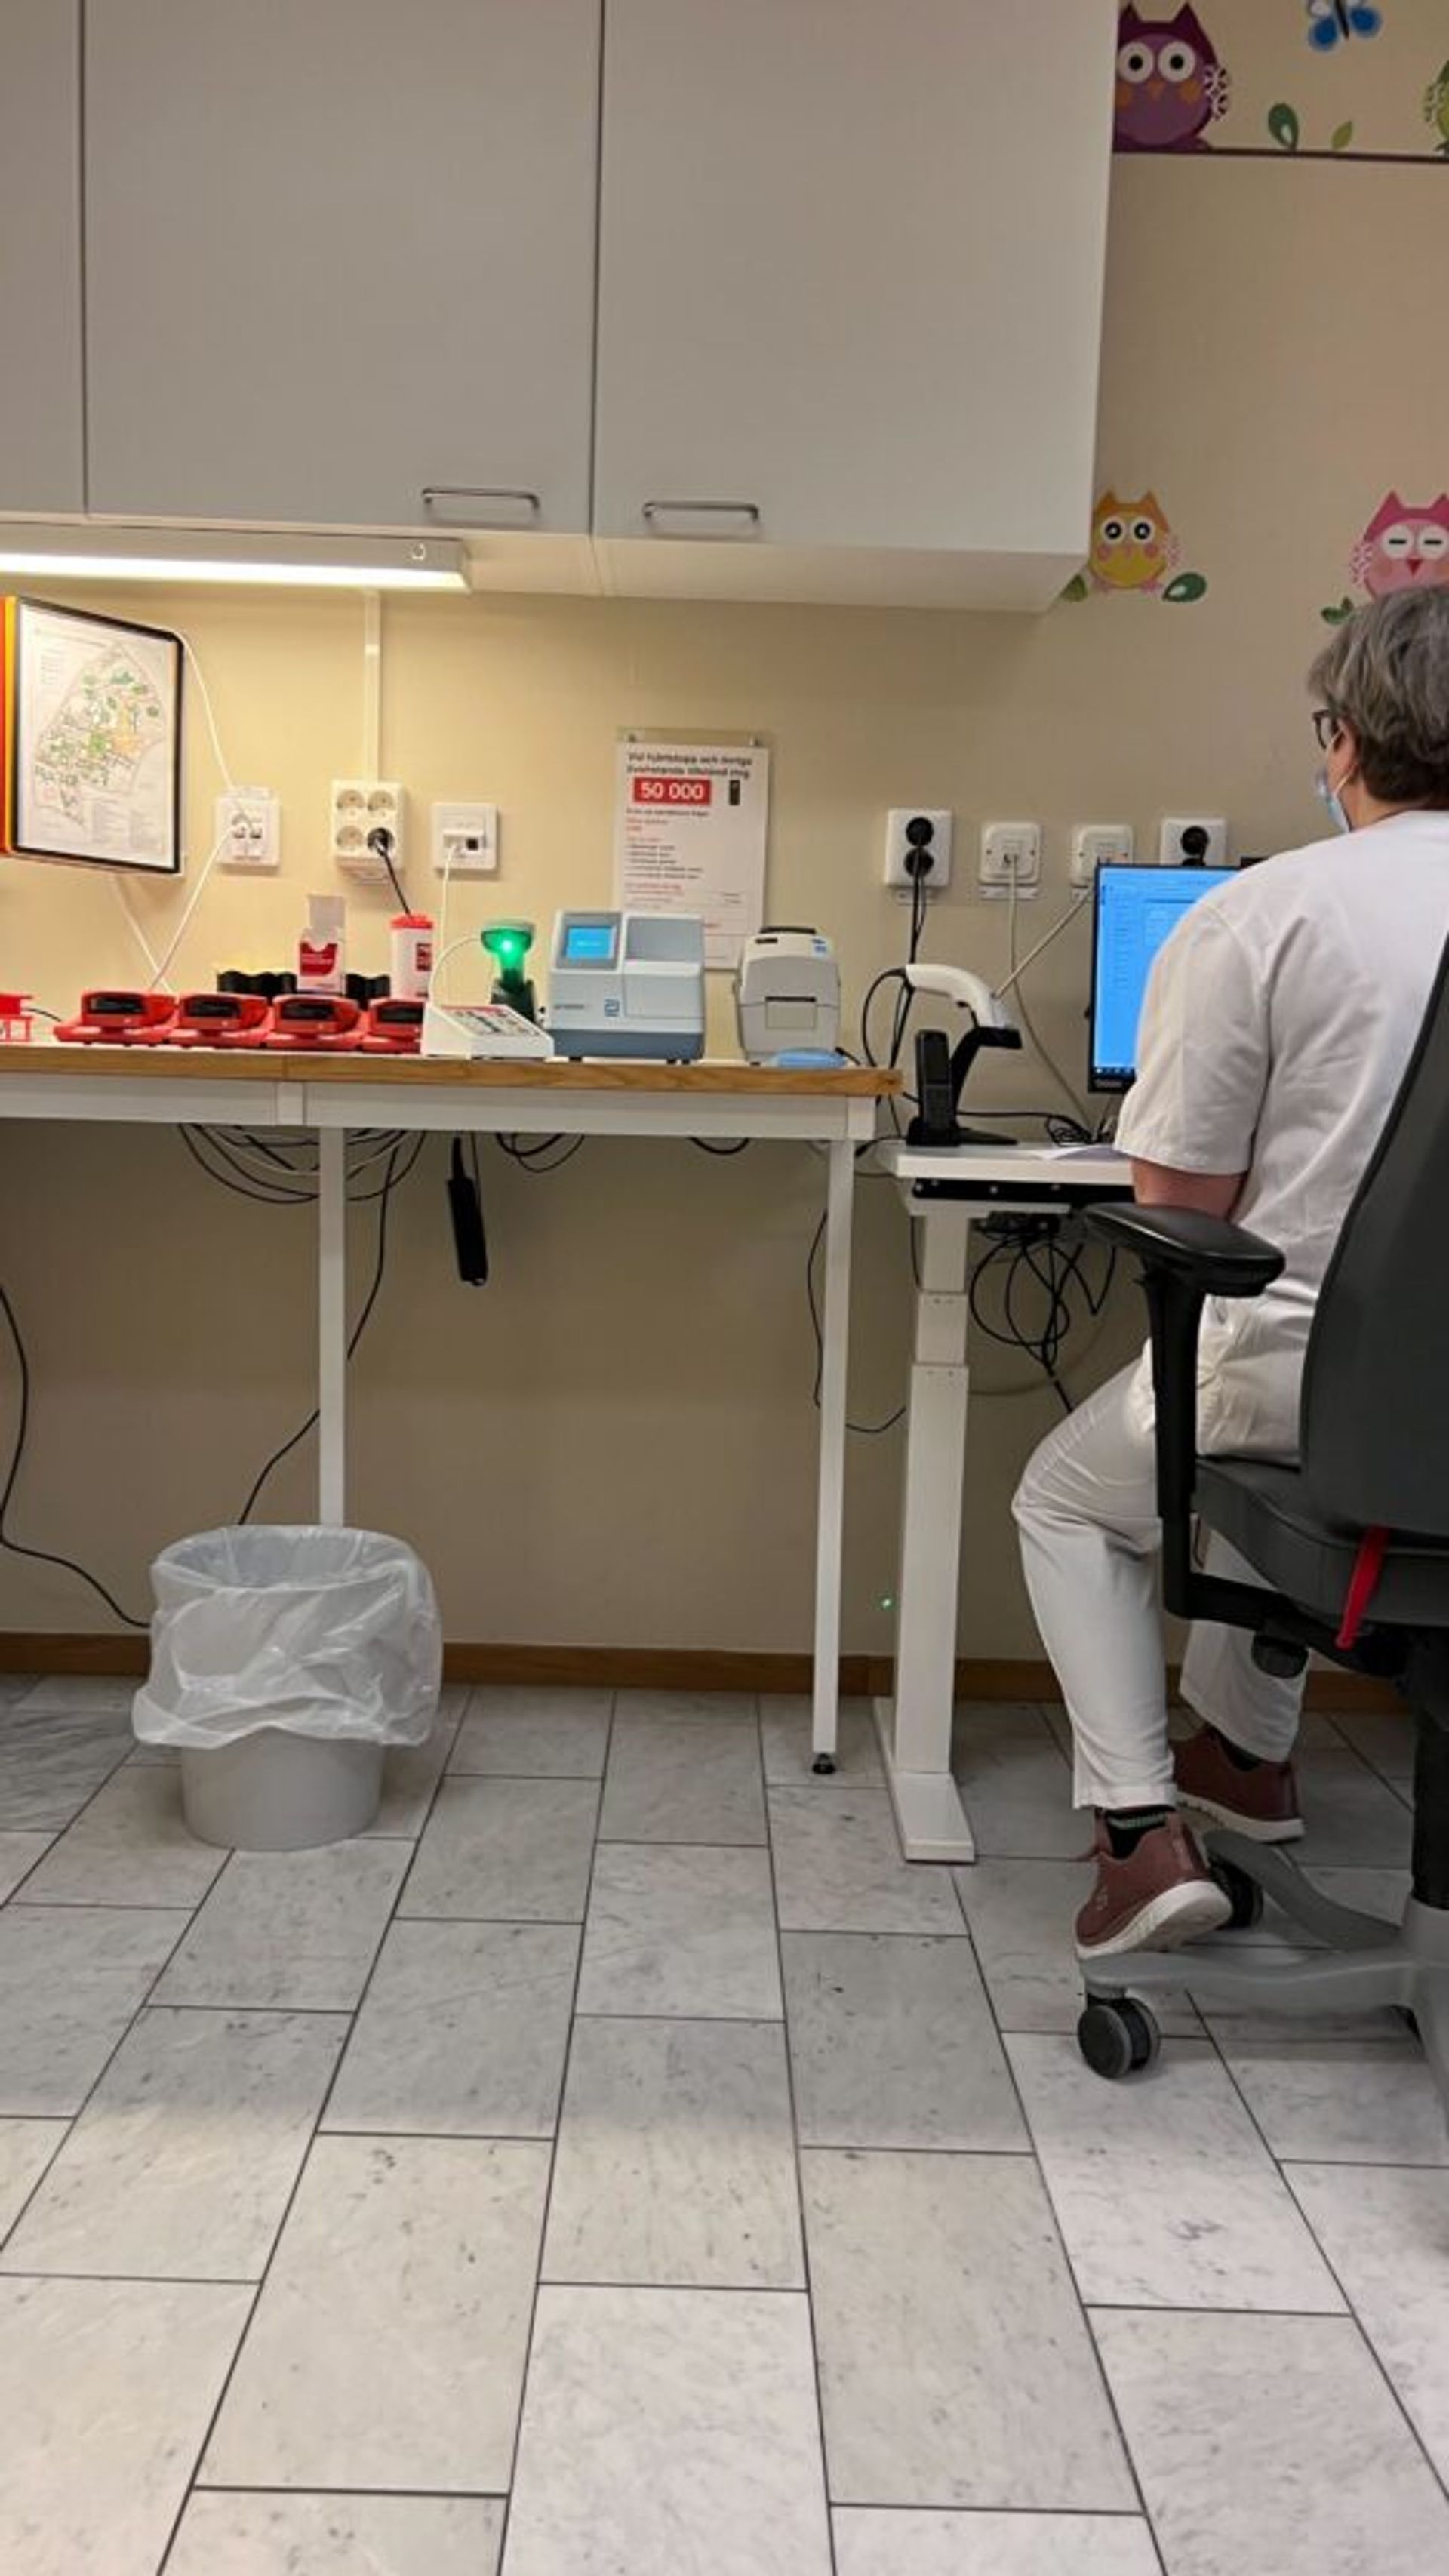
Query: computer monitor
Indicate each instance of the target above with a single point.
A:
(1134, 910)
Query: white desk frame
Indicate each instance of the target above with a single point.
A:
(915, 1726)
(334, 1097)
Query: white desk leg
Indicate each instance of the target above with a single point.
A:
(830, 1507)
(916, 1730)
(332, 1326)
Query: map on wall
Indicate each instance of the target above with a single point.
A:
(1318, 79)
(95, 732)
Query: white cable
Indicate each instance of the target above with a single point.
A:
(1029, 1025)
(1032, 954)
(137, 933)
(199, 676)
(184, 924)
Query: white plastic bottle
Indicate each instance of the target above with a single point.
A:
(411, 964)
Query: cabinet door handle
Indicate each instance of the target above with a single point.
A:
(654, 512)
(510, 497)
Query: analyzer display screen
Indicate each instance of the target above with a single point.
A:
(590, 943)
(1136, 909)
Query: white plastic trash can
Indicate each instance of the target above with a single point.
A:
(284, 1662)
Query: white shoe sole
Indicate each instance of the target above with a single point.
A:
(1179, 1914)
(1252, 1829)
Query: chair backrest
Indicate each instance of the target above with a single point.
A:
(1374, 1427)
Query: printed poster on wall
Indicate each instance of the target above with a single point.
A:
(690, 825)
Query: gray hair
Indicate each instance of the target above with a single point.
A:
(1386, 676)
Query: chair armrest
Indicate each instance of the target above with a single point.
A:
(1219, 1258)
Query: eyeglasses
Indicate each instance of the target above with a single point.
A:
(1328, 726)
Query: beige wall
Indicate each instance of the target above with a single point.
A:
(614, 1442)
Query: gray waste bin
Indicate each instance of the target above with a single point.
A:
(284, 1662)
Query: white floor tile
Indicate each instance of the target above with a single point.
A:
(181, 2164)
(789, 1754)
(389, 2341)
(1386, 1742)
(893, 2044)
(26, 2148)
(535, 1733)
(1326, 2101)
(1015, 1786)
(1165, 2194)
(676, 2162)
(506, 1851)
(955, 2365)
(410, 1777)
(338, 2535)
(838, 1866)
(1270, 2443)
(106, 2389)
(690, 1933)
(669, 2430)
(70, 1982)
(1353, 1819)
(289, 1928)
(992, 2544)
(683, 1780)
(463, 2032)
(1020, 1914)
(1386, 2233)
(18, 1855)
(53, 1759)
(131, 1846)
(78, 1695)
(742, 1706)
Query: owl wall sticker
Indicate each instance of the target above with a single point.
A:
(1404, 547)
(1436, 111)
(1171, 84)
(1134, 548)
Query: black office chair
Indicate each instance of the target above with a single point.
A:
(1353, 1541)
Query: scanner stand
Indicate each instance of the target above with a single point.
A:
(940, 1078)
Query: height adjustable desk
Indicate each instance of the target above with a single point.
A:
(332, 1094)
(949, 1191)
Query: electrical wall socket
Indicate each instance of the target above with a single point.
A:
(1010, 853)
(360, 806)
(1170, 852)
(249, 829)
(1100, 845)
(898, 844)
(465, 840)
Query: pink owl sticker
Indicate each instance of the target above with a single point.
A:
(1404, 547)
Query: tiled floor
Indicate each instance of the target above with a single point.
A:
(619, 2164)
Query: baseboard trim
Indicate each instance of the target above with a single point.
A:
(682, 1668)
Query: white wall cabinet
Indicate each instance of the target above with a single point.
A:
(340, 261)
(851, 267)
(42, 464)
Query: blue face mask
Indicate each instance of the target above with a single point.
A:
(1334, 803)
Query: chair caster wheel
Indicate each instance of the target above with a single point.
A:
(1243, 1894)
(1118, 2039)
(823, 1766)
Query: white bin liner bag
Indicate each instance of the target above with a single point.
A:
(332, 1633)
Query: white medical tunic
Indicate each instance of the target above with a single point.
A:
(1278, 1021)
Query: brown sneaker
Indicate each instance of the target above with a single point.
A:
(1261, 1803)
(1159, 1896)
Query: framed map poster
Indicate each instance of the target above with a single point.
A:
(95, 739)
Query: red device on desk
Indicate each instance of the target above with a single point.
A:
(110, 1016)
(322, 1022)
(220, 1020)
(393, 1026)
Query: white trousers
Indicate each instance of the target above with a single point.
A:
(1090, 1537)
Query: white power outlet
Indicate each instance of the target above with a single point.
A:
(465, 840)
(905, 831)
(1100, 845)
(1170, 850)
(361, 806)
(1010, 854)
(249, 829)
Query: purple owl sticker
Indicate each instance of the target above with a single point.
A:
(1171, 85)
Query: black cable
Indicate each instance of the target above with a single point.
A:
(379, 841)
(864, 1430)
(706, 1147)
(540, 1156)
(358, 1329)
(14, 1546)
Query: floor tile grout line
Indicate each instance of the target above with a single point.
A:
(406, 2495)
(303, 2165)
(796, 2158)
(547, 2212)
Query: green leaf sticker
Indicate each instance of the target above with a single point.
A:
(1283, 126)
(1336, 616)
(1188, 585)
(1342, 136)
(1077, 587)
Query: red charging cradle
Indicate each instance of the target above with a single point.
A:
(315, 1023)
(222, 1020)
(393, 1027)
(112, 1016)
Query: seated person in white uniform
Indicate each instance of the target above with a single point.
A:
(1278, 1021)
